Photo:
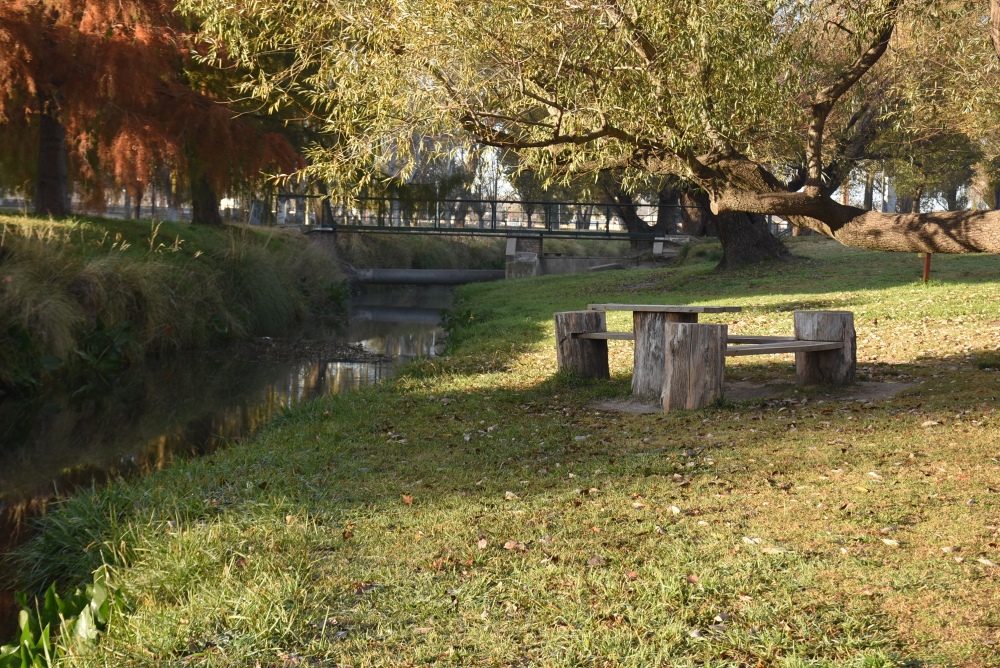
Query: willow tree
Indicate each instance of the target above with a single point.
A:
(764, 104)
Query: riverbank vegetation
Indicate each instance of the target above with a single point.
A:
(483, 509)
(100, 293)
(430, 251)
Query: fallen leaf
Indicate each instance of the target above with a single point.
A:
(638, 505)
(890, 542)
(751, 541)
(675, 510)
(514, 545)
(596, 561)
(422, 630)
(774, 550)
(930, 423)
(482, 543)
(863, 490)
(951, 548)
(986, 562)
(874, 475)
(510, 496)
(407, 499)
(659, 529)
(693, 579)
(632, 575)
(695, 633)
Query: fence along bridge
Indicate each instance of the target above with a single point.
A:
(574, 220)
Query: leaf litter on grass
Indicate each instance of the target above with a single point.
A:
(787, 542)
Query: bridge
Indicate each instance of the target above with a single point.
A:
(568, 220)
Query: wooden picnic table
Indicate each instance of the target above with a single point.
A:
(681, 363)
(648, 322)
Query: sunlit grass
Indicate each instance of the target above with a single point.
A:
(479, 510)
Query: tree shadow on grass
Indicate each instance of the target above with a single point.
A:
(538, 468)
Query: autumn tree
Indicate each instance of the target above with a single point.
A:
(107, 92)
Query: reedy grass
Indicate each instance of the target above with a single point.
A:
(479, 510)
(162, 286)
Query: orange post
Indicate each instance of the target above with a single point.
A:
(927, 266)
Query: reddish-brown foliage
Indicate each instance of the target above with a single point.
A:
(119, 75)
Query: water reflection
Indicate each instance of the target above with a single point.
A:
(191, 405)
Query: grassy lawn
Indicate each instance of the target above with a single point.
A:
(479, 510)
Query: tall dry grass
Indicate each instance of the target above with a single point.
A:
(73, 293)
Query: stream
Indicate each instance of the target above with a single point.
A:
(191, 404)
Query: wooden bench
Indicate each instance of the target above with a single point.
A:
(582, 338)
(682, 363)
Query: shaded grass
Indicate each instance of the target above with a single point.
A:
(479, 510)
(106, 292)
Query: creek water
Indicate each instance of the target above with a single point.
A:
(191, 404)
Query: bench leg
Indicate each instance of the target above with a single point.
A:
(694, 365)
(647, 370)
(826, 367)
(587, 358)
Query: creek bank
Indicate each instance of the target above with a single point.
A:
(99, 294)
(189, 404)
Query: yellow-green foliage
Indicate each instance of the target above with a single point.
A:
(97, 287)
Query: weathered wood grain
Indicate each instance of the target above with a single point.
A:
(826, 367)
(587, 358)
(694, 365)
(647, 371)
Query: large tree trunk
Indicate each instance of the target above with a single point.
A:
(667, 213)
(967, 231)
(952, 197)
(52, 183)
(625, 208)
(869, 191)
(750, 187)
(204, 201)
(695, 217)
(745, 238)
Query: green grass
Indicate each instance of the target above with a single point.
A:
(479, 510)
(105, 292)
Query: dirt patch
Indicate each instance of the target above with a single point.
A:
(741, 390)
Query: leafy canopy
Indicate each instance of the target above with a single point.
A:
(578, 85)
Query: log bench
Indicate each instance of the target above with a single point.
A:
(682, 363)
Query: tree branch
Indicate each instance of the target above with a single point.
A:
(825, 99)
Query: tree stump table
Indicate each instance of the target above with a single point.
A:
(649, 326)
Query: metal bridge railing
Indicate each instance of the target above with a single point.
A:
(472, 215)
